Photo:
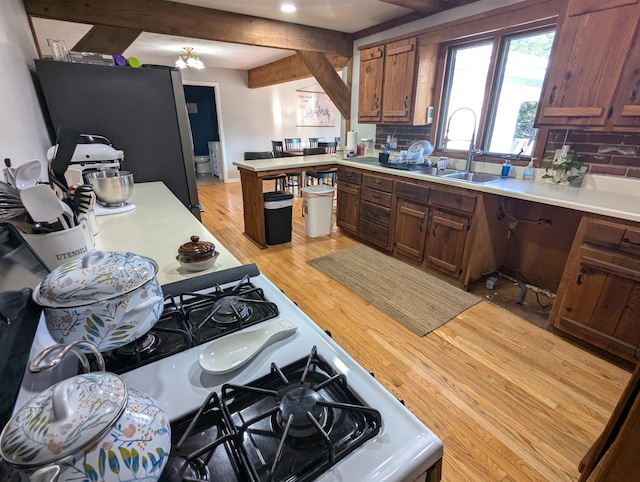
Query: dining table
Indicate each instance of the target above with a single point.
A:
(251, 177)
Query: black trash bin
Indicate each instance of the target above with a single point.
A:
(278, 207)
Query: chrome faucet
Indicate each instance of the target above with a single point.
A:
(472, 145)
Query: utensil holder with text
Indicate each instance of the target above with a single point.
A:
(61, 246)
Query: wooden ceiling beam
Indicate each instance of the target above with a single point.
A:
(329, 80)
(287, 70)
(179, 19)
(107, 39)
(428, 6)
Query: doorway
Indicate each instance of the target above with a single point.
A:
(203, 108)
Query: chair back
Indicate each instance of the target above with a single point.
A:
(312, 151)
(329, 147)
(250, 156)
(293, 143)
(313, 141)
(278, 150)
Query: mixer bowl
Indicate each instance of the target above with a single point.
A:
(112, 187)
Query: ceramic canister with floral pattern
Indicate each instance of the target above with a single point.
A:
(92, 428)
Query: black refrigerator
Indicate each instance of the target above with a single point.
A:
(141, 111)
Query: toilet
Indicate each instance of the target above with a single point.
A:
(203, 164)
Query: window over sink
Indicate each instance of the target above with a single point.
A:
(492, 86)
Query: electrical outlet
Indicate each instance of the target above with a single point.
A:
(512, 225)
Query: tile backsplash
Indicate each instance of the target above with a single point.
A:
(613, 153)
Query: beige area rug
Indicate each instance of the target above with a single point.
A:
(413, 298)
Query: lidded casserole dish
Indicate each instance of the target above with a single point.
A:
(197, 255)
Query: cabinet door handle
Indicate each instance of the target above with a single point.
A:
(628, 241)
(375, 196)
(406, 102)
(552, 97)
(433, 231)
(583, 272)
(420, 227)
(377, 181)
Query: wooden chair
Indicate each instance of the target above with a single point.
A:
(313, 141)
(323, 175)
(292, 143)
(280, 179)
(312, 151)
(278, 149)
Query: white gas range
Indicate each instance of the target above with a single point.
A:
(400, 447)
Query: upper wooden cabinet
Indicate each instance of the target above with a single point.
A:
(370, 93)
(594, 73)
(397, 83)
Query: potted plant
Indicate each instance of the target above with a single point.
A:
(565, 168)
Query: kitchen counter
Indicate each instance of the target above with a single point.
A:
(599, 194)
(251, 177)
(605, 195)
(156, 228)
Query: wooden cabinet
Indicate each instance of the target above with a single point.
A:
(370, 90)
(348, 192)
(375, 210)
(594, 68)
(412, 219)
(388, 83)
(599, 297)
(411, 230)
(446, 243)
(399, 81)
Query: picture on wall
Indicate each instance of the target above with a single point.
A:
(314, 109)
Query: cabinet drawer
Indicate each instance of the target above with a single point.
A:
(603, 233)
(352, 177)
(374, 213)
(374, 233)
(453, 200)
(377, 182)
(631, 241)
(409, 190)
(376, 197)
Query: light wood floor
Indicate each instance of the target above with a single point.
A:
(510, 401)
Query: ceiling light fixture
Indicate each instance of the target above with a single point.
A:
(287, 7)
(187, 58)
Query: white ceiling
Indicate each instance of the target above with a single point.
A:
(342, 15)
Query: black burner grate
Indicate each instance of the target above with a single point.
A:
(292, 424)
(191, 319)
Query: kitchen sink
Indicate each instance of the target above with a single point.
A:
(475, 177)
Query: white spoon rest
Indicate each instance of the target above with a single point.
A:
(232, 351)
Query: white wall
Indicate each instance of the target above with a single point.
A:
(23, 133)
(252, 118)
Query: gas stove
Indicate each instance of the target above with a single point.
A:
(301, 409)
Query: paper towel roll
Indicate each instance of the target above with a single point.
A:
(352, 140)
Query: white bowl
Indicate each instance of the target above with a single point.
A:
(200, 265)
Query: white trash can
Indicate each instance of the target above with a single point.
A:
(317, 210)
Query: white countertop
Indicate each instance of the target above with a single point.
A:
(606, 195)
(156, 228)
(293, 162)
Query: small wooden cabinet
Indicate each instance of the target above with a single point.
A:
(399, 81)
(348, 200)
(412, 220)
(446, 243)
(375, 210)
(370, 88)
(411, 230)
(599, 296)
(388, 83)
(597, 46)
